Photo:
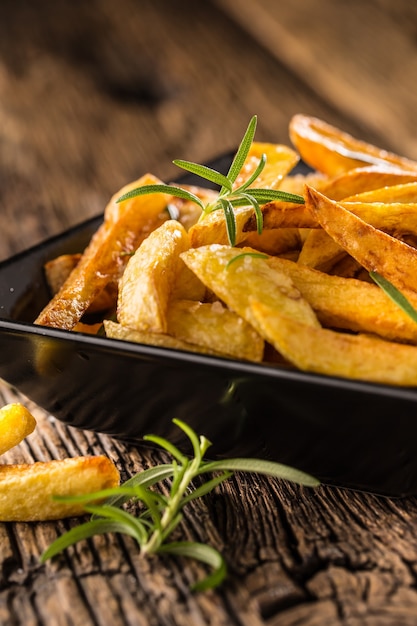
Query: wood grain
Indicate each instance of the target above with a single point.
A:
(93, 95)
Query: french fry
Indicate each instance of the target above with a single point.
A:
(320, 251)
(148, 279)
(16, 423)
(213, 326)
(406, 192)
(373, 249)
(274, 241)
(324, 351)
(347, 303)
(365, 179)
(236, 280)
(125, 226)
(332, 151)
(117, 331)
(27, 490)
(280, 160)
(212, 228)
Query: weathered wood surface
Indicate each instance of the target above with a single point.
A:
(92, 95)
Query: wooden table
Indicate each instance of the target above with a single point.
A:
(91, 96)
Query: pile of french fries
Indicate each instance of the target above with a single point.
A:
(27, 490)
(160, 272)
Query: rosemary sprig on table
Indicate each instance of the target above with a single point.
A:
(160, 514)
(228, 198)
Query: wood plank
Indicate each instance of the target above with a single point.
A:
(359, 56)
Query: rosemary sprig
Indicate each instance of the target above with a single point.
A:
(228, 198)
(160, 514)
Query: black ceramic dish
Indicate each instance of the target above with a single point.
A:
(351, 434)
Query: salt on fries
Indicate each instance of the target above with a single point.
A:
(27, 490)
(300, 290)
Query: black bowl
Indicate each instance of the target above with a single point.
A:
(346, 433)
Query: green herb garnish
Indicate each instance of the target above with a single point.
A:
(228, 198)
(395, 295)
(160, 514)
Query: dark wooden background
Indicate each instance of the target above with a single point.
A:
(92, 95)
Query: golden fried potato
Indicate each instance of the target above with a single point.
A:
(280, 160)
(405, 192)
(147, 282)
(125, 226)
(213, 326)
(235, 276)
(212, 228)
(16, 423)
(334, 353)
(26, 491)
(274, 241)
(117, 331)
(347, 303)
(373, 249)
(320, 251)
(332, 151)
(365, 179)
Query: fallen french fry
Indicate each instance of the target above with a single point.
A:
(27, 490)
(16, 423)
(330, 150)
(373, 249)
(148, 279)
(324, 351)
(125, 226)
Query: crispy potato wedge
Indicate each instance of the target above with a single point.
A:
(375, 250)
(324, 351)
(125, 226)
(58, 270)
(280, 160)
(117, 331)
(16, 423)
(235, 277)
(320, 251)
(365, 179)
(26, 491)
(274, 241)
(347, 303)
(332, 151)
(212, 228)
(281, 215)
(406, 192)
(213, 326)
(147, 282)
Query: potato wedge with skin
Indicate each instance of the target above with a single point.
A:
(125, 226)
(212, 228)
(26, 491)
(364, 179)
(320, 251)
(16, 423)
(280, 160)
(328, 149)
(117, 331)
(406, 192)
(235, 277)
(147, 282)
(323, 351)
(375, 250)
(213, 326)
(347, 303)
(274, 241)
